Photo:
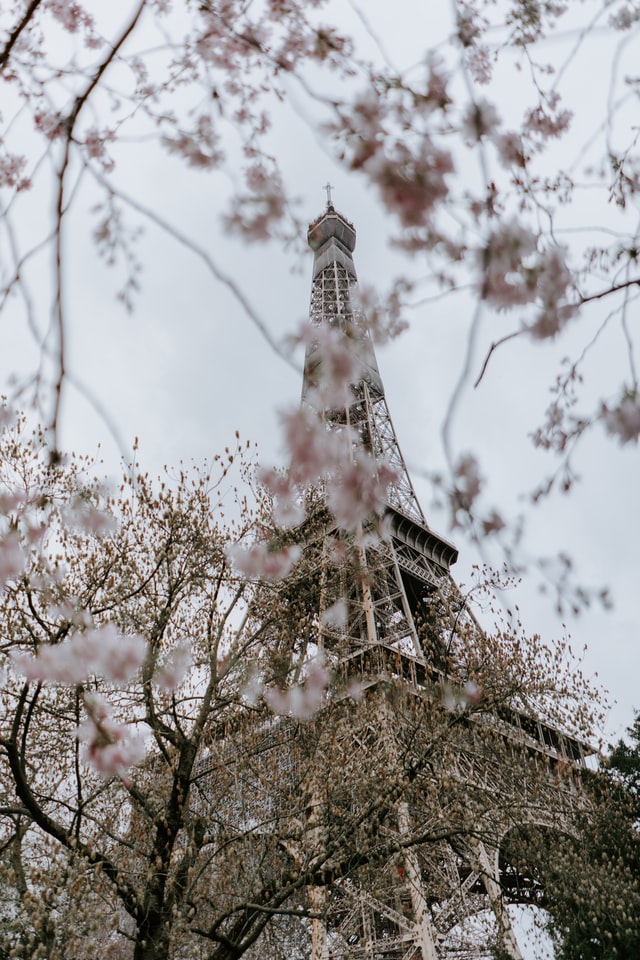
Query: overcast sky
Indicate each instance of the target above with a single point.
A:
(187, 368)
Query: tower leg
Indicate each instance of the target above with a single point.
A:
(319, 944)
(424, 932)
(506, 936)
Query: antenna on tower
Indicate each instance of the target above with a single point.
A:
(329, 187)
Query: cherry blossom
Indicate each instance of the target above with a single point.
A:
(360, 489)
(504, 282)
(101, 651)
(95, 142)
(302, 700)
(468, 484)
(411, 182)
(71, 15)
(110, 747)
(173, 669)
(314, 448)
(457, 699)
(263, 560)
(623, 420)
(480, 120)
(553, 286)
(510, 148)
(11, 171)
(337, 615)
(12, 558)
(82, 514)
(338, 360)
(200, 147)
(549, 122)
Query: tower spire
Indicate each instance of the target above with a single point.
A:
(397, 593)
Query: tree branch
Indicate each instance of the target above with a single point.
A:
(14, 36)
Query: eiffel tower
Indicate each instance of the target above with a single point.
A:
(397, 591)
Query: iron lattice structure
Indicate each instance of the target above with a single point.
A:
(400, 595)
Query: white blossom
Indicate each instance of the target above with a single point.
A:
(102, 651)
(263, 560)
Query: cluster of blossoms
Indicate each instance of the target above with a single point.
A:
(12, 557)
(73, 18)
(623, 420)
(301, 700)
(411, 181)
(467, 486)
(111, 748)
(356, 481)
(514, 272)
(200, 147)
(12, 169)
(91, 652)
(101, 651)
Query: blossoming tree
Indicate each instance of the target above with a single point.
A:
(178, 770)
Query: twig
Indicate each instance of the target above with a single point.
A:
(494, 346)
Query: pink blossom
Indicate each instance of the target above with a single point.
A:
(457, 699)
(411, 183)
(360, 489)
(301, 701)
(469, 24)
(336, 615)
(109, 747)
(173, 669)
(11, 500)
(12, 558)
(52, 125)
(252, 687)
(505, 280)
(479, 120)
(288, 511)
(547, 123)
(263, 560)
(479, 62)
(624, 18)
(384, 319)
(11, 167)
(468, 484)
(313, 447)
(200, 148)
(510, 149)
(7, 415)
(70, 14)
(623, 420)
(82, 514)
(338, 363)
(102, 651)
(95, 142)
(553, 282)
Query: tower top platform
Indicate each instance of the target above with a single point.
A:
(331, 225)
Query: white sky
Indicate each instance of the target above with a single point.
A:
(187, 368)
